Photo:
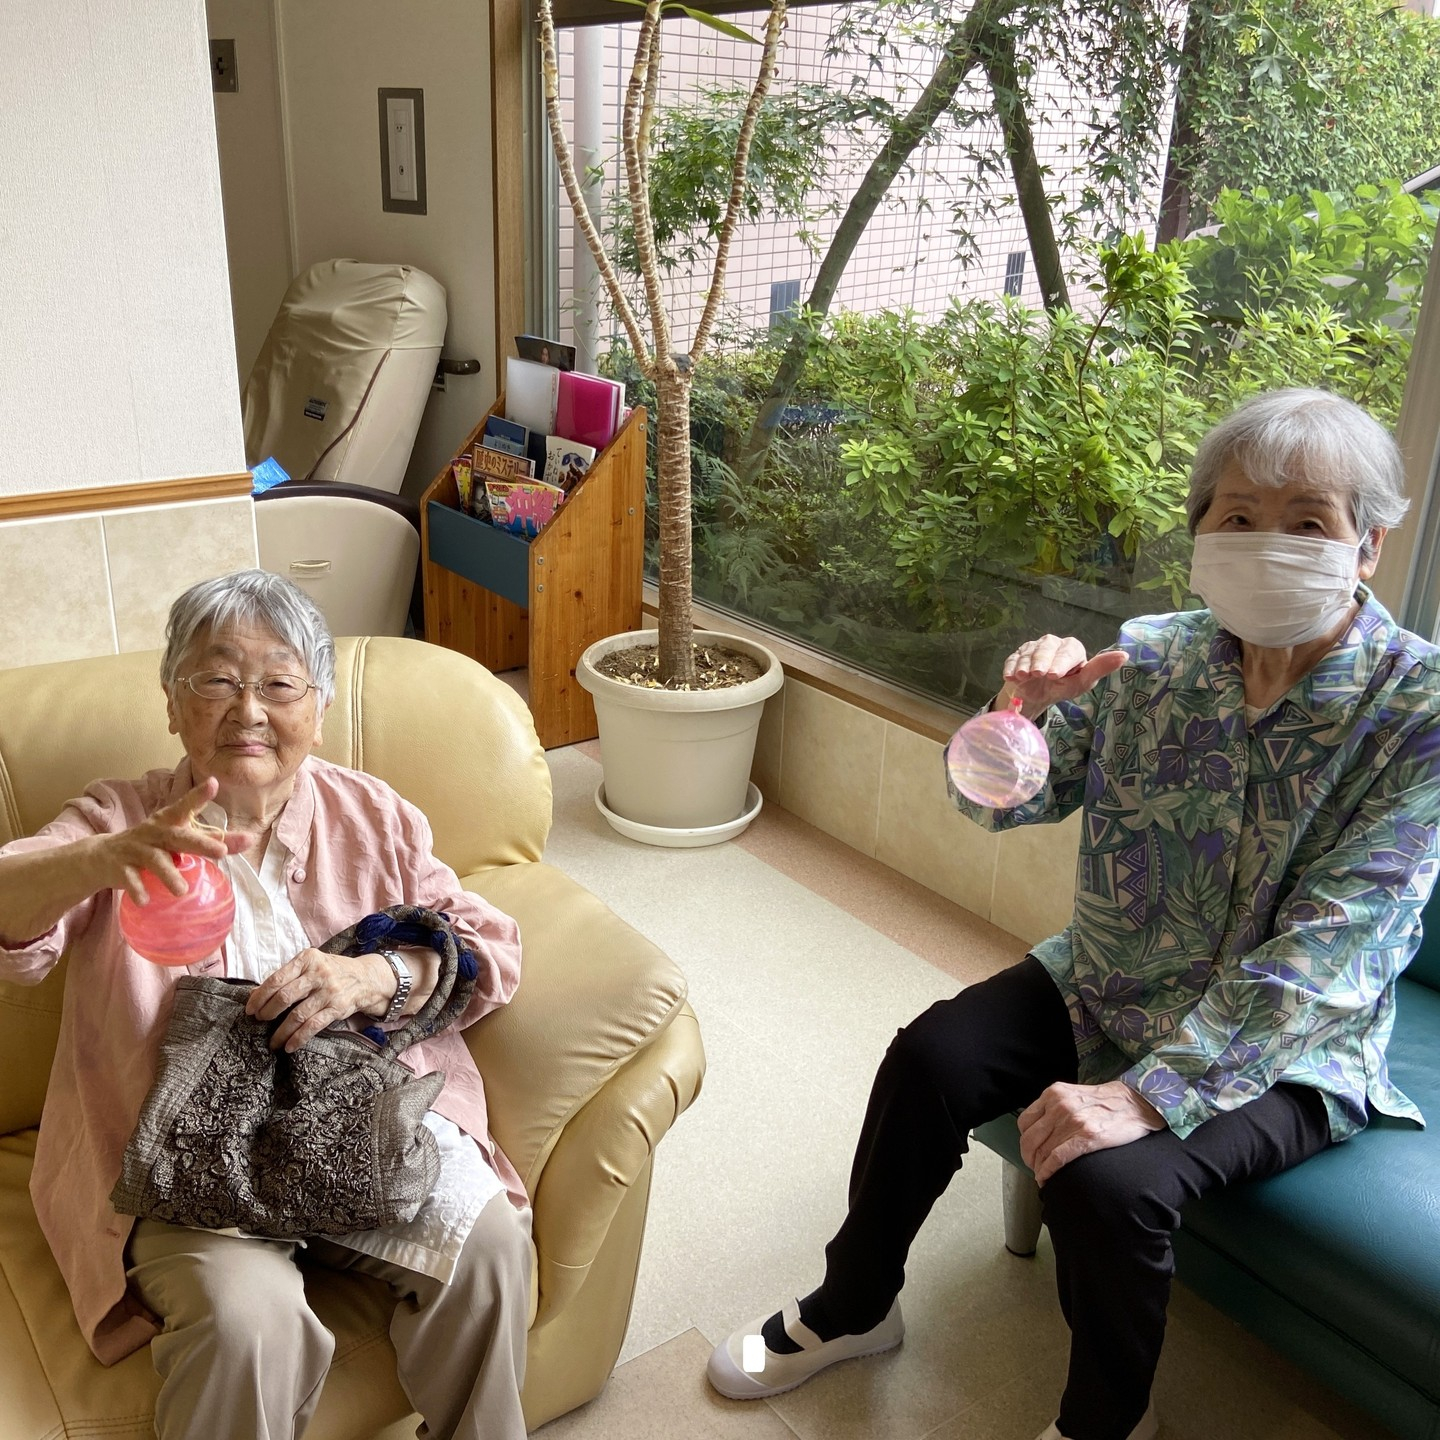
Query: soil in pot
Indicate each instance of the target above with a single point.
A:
(716, 667)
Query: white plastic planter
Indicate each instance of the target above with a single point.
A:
(677, 762)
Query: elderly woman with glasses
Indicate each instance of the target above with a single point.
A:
(310, 847)
(1259, 782)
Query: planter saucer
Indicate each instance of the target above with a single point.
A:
(676, 839)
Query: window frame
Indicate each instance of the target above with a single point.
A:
(572, 13)
(526, 235)
(1407, 579)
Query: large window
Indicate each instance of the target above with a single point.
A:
(1000, 275)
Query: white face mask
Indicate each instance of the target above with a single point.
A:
(1275, 590)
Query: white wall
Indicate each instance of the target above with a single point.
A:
(334, 55)
(252, 174)
(117, 361)
(116, 354)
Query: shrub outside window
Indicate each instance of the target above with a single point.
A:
(1002, 268)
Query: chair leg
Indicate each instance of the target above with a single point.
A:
(1021, 1196)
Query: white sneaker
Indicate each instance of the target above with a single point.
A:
(1147, 1429)
(742, 1371)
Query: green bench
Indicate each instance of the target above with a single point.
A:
(1336, 1264)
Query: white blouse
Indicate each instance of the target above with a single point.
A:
(266, 935)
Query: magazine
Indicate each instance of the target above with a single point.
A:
(522, 507)
(500, 465)
(566, 461)
(503, 434)
(545, 352)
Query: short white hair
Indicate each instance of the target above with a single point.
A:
(1285, 435)
(254, 597)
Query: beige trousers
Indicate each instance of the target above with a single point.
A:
(243, 1357)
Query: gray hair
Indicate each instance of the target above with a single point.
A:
(253, 597)
(1286, 435)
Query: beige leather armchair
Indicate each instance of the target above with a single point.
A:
(585, 1070)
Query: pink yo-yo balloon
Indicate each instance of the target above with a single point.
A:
(180, 929)
(998, 759)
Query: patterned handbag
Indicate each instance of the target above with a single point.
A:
(323, 1141)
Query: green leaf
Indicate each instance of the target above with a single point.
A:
(713, 22)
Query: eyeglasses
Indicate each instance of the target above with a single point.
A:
(272, 689)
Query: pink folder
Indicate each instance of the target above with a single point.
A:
(588, 408)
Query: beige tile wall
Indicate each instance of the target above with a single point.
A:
(100, 584)
(881, 789)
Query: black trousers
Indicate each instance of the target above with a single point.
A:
(994, 1048)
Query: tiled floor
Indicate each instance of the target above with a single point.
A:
(803, 958)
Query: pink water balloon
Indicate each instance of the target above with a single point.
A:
(998, 759)
(180, 929)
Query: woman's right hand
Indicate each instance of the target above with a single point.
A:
(1053, 668)
(166, 831)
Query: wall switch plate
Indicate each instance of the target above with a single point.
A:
(402, 151)
(400, 127)
(223, 75)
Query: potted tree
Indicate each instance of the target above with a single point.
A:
(678, 718)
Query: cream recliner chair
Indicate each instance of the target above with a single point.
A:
(339, 386)
(585, 1069)
(336, 395)
(355, 552)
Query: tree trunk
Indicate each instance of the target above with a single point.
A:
(1175, 195)
(1029, 182)
(958, 60)
(672, 476)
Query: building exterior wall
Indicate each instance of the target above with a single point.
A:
(907, 256)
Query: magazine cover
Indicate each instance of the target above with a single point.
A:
(464, 480)
(566, 461)
(500, 465)
(545, 352)
(522, 506)
(503, 434)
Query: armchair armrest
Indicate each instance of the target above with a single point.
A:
(587, 1066)
(601, 1152)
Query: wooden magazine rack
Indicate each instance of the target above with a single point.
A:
(507, 601)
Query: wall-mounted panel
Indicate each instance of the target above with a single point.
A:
(73, 586)
(156, 554)
(54, 592)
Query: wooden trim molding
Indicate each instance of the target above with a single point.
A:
(508, 59)
(125, 497)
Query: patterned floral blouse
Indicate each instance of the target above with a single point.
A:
(1248, 890)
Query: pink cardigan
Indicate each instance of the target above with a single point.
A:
(359, 847)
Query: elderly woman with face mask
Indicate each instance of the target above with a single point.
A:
(1260, 788)
(310, 848)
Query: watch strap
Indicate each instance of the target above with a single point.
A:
(404, 981)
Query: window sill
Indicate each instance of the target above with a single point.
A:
(900, 707)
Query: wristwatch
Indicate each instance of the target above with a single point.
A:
(403, 981)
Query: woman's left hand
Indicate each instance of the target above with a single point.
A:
(1069, 1121)
(318, 988)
